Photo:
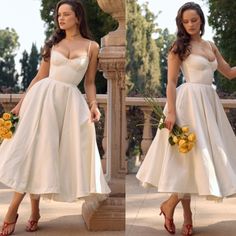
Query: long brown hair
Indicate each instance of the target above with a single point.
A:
(59, 34)
(181, 45)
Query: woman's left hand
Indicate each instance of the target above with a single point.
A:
(95, 113)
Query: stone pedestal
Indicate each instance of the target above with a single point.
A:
(110, 214)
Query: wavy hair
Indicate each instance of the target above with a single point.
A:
(60, 34)
(181, 46)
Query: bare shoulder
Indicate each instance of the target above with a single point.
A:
(94, 46)
(212, 45)
(172, 56)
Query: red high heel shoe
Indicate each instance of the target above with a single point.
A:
(170, 221)
(187, 230)
(6, 224)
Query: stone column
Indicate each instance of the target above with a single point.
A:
(110, 214)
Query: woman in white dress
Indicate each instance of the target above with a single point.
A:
(209, 169)
(53, 152)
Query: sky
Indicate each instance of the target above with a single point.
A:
(24, 17)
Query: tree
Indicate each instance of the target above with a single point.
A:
(29, 66)
(24, 69)
(164, 42)
(222, 20)
(33, 62)
(8, 42)
(143, 70)
(8, 75)
(100, 24)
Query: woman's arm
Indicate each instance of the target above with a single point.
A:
(173, 73)
(42, 73)
(223, 67)
(89, 83)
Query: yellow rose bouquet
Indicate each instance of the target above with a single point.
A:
(8, 123)
(180, 136)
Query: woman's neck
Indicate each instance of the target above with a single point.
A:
(73, 34)
(196, 38)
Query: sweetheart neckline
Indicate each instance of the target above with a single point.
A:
(198, 55)
(69, 59)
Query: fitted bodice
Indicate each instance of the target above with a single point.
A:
(67, 70)
(198, 69)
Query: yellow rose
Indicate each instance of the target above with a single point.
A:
(8, 135)
(190, 145)
(8, 124)
(183, 150)
(192, 137)
(3, 130)
(2, 122)
(181, 142)
(6, 116)
(175, 139)
(185, 129)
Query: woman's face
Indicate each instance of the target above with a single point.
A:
(191, 22)
(66, 17)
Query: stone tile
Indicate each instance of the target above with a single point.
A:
(57, 219)
(142, 213)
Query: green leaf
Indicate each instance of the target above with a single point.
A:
(171, 140)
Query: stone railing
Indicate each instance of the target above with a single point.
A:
(9, 100)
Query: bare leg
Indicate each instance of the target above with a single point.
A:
(187, 226)
(32, 224)
(12, 212)
(168, 208)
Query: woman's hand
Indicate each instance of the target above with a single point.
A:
(170, 121)
(16, 109)
(95, 113)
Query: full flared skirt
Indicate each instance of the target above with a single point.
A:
(53, 151)
(209, 169)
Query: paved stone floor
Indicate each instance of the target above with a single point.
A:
(57, 219)
(142, 213)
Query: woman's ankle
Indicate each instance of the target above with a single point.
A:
(188, 217)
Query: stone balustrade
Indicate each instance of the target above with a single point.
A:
(9, 100)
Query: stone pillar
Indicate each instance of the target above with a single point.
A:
(110, 214)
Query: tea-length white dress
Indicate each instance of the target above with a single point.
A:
(209, 169)
(54, 151)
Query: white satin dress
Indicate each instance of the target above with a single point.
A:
(209, 169)
(54, 151)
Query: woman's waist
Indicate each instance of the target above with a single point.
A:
(64, 81)
(196, 86)
(199, 79)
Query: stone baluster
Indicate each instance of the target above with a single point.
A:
(147, 131)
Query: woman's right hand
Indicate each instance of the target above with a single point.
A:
(170, 120)
(16, 109)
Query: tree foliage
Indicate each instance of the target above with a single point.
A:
(222, 20)
(8, 75)
(143, 70)
(29, 66)
(164, 41)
